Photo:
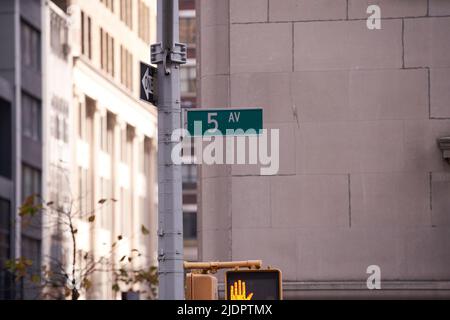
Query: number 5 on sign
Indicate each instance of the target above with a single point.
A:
(214, 121)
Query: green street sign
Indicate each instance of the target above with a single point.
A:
(216, 122)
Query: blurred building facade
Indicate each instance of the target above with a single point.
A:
(57, 123)
(76, 131)
(114, 133)
(21, 165)
(188, 79)
(361, 180)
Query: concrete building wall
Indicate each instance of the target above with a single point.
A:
(115, 137)
(188, 100)
(21, 73)
(361, 180)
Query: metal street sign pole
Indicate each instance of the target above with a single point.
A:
(168, 54)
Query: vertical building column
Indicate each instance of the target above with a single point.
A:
(152, 202)
(95, 146)
(17, 144)
(95, 183)
(134, 189)
(78, 102)
(115, 190)
(117, 222)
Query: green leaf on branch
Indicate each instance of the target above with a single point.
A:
(9, 265)
(35, 278)
(29, 207)
(87, 284)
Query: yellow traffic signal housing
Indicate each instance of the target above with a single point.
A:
(253, 285)
(201, 287)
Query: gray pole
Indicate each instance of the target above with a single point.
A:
(169, 54)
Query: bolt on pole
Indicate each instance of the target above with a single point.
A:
(169, 54)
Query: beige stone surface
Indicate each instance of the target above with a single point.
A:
(405, 199)
(440, 201)
(440, 93)
(338, 45)
(439, 7)
(261, 47)
(389, 94)
(248, 11)
(304, 10)
(361, 181)
(251, 202)
(214, 91)
(213, 12)
(389, 8)
(427, 43)
(344, 147)
(214, 55)
(216, 211)
(421, 153)
(330, 253)
(275, 247)
(310, 201)
(271, 91)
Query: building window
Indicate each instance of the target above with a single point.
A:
(189, 173)
(145, 156)
(58, 36)
(59, 126)
(106, 220)
(126, 12)
(5, 139)
(31, 250)
(189, 225)
(106, 52)
(188, 80)
(83, 191)
(127, 145)
(144, 22)
(31, 117)
(187, 30)
(85, 116)
(86, 35)
(81, 120)
(126, 72)
(110, 123)
(31, 47)
(109, 4)
(5, 240)
(31, 181)
(102, 130)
